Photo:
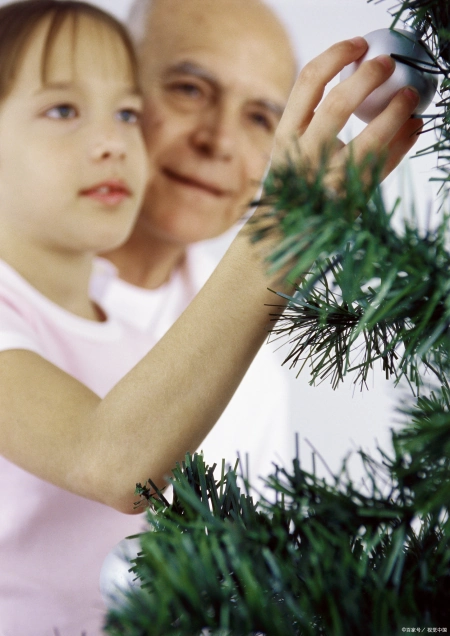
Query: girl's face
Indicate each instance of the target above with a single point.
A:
(73, 166)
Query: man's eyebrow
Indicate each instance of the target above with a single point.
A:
(191, 68)
(274, 107)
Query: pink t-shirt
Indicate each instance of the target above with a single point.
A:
(53, 543)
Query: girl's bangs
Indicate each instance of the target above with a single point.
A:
(20, 22)
(68, 32)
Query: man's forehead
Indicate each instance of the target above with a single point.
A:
(252, 9)
(215, 24)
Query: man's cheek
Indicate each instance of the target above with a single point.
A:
(152, 121)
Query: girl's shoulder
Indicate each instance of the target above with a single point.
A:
(96, 353)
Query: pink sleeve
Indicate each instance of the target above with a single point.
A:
(16, 330)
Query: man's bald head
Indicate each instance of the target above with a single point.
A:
(148, 22)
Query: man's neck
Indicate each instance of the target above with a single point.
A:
(146, 261)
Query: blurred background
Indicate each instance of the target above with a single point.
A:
(336, 422)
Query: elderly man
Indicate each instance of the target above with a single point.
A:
(216, 76)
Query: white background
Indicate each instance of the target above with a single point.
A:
(338, 421)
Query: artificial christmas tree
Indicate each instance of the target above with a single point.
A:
(314, 557)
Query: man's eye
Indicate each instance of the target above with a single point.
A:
(129, 115)
(262, 120)
(62, 111)
(186, 89)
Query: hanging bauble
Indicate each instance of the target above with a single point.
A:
(116, 581)
(412, 69)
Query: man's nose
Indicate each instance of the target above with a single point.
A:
(216, 132)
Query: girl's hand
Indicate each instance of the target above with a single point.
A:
(311, 128)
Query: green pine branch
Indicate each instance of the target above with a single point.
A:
(383, 295)
(371, 293)
(313, 558)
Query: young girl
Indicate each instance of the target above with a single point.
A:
(82, 417)
(73, 171)
(75, 437)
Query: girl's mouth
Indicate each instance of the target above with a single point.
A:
(110, 192)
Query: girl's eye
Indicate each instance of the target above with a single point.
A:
(62, 111)
(129, 115)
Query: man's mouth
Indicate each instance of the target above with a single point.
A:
(194, 183)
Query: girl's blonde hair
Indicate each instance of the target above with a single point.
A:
(19, 21)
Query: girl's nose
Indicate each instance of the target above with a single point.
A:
(108, 145)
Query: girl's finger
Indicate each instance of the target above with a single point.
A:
(391, 154)
(311, 83)
(385, 134)
(402, 143)
(340, 103)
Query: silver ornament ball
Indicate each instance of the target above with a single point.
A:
(116, 581)
(406, 44)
